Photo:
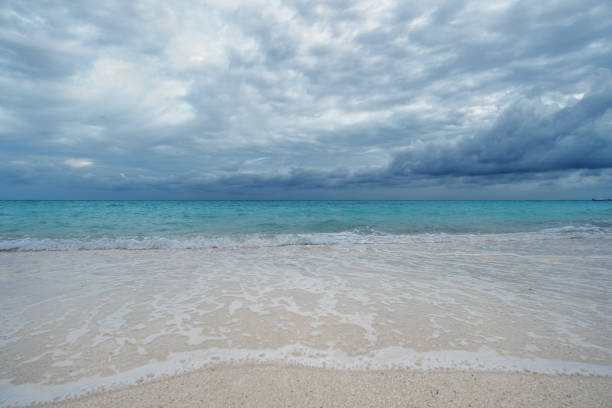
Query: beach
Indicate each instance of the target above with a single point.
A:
(276, 386)
(148, 315)
(506, 318)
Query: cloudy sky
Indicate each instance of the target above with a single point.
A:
(301, 99)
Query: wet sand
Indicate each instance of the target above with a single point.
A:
(449, 324)
(291, 386)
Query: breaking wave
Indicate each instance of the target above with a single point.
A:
(274, 240)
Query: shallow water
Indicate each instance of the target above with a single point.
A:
(107, 293)
(76, 320)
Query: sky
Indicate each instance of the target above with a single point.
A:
(261, 99)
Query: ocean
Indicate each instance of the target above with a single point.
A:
(112, 293)
(63, 225)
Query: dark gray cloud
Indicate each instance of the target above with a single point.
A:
(522, 140)
(334, 99)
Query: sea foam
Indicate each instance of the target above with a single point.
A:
(76, 320)
(199, 241)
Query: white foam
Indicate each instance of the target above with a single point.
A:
(272, 240)
(84, 319)
(391, 358)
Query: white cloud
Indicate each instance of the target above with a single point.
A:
(78, 163)
(115, 86)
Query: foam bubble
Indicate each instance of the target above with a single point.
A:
(77, 320)
(272, 240)
(393, 358)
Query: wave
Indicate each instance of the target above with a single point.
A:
(8, 244)
(391, 358)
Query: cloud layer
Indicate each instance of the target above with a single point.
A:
(301, 99)
(523, 141)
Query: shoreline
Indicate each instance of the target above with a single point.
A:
(79, 321)
(450, 363)
(300, 386)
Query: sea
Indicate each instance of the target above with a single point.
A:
(102, 294)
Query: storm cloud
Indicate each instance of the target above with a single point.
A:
(304, 99)
(523, 140)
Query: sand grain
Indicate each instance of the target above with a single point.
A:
(288, 386)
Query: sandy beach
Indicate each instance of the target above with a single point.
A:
(291, 386)
(354, 325)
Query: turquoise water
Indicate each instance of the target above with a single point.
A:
(152, 224)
